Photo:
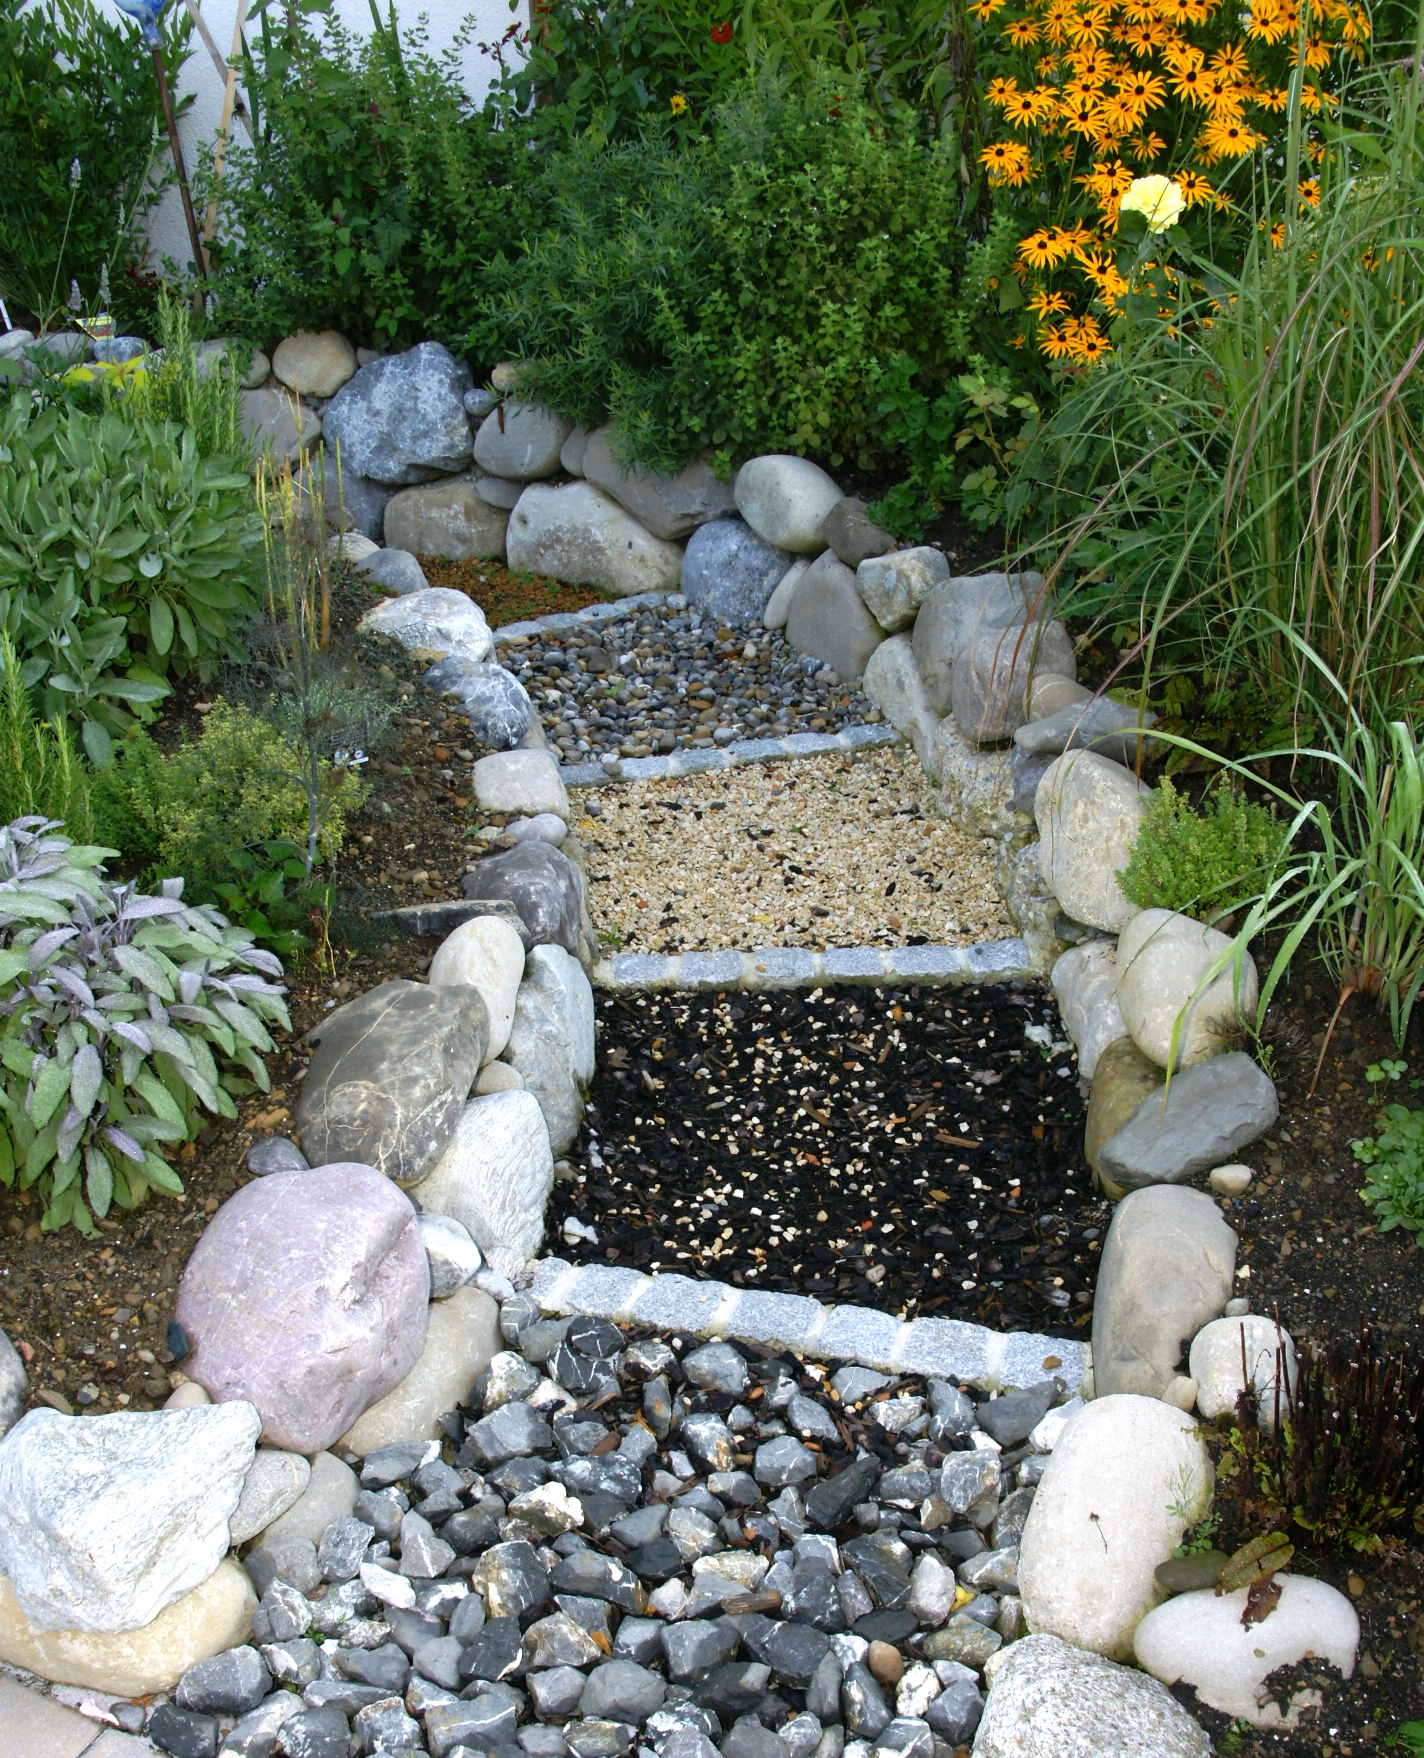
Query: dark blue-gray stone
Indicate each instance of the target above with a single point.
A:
(728, 570)
(542, 884)
(492, 699)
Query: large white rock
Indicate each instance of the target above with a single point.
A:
(892, 682)
(976, 786)
(895, 586)
(1088, 810)
(14, 1385)
(670, 506)
(454, 1258)
(581, 535)
(277, 423)
(495, 1178)
(952, 610)
(438, 619)
(785, 500)
(1169, 1264)
(1050, 1700)
(551, 1043)
(1218, 1352)
(1085, 982)
(1199, 1639)
(108, 1519)
(524, 782)
(275, 1483)
(487, 954)
(212, 1617)
(462, 1336)
(1162, 962)
(520, 441)
(314, 363)
(1127, 1478)
(778, 607)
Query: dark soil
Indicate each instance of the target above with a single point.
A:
(507, 597)
(906, 1149)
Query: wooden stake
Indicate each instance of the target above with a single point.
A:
(210, 219)
(200, 261)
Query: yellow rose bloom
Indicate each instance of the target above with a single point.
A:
(1157, 199)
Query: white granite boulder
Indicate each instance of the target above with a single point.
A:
(314, 363)
(308, 1296)
(495, 1178)
(278, 424)
(1168, 1268)
(448, 519)
(520, 441)
(1048, 1699)
(1163, 961)
(14, 1385)
(1199, 1639)
(953, 609)
(976, 786)
(439, 620)
(551, 1044)
(1085, 982)
(401, 419)
(1218, 1353)
(579, 534)
(454, 1258)
(111, 1519)
(1128, 1476)
(488, 955)
(276, 1482)
(988, 685)
(892, 682)
(895, 586)
(1088, 812)
(670, 506)
(785, 500)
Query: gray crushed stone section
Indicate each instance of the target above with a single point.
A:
(992, 1361)
(794, 967)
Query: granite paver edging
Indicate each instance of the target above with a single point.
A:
(991, 1361)
(797, 967)
(734, 756)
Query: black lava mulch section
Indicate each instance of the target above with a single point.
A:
(907, 1149)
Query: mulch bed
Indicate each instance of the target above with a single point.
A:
(507, 597)
(906, 1149)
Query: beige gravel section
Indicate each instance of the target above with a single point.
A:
(788, 854)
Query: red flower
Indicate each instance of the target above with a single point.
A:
(721, 33)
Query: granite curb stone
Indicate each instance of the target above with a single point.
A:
(796, 967)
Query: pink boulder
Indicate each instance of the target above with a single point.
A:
(307, 1295)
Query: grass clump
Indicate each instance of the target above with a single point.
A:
(1201, 861)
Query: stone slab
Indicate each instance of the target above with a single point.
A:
(734, 756)
(38, 1727)
(797, 967)
(992, 1361)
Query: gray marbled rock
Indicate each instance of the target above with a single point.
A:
(829, 620)
(1205, 1117)
(542, 883)
(1099, 724)
(989, 681)
(395, 569)
(1168, 1267)
(308, 1295)
(951, 610)
(401, 420)
(551, 1043)
(894, 586)
(389, 1075)
(729, 571)
(520, 441)
(14, 1385)
(670, 506)
(495, 702)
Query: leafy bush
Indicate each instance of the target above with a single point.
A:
(207, 403)
(124, 555)
(1396, 1184)
(79, 136)
(372, 195)
(1201, 862)
(41, 773)
(234, 788)
(113, 1006)
(748, 290)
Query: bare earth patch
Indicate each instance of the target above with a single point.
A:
(816, 853)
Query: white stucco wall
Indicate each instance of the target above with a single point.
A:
(168, 235)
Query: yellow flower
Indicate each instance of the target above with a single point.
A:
(1231, 61)
(1194, 188)
(1020, 33)
(1021, 109)
(1054, 343)
(1007, 161)
(679, 104)
(1157, 199)
(1001, 92)
(984, 10)
(1227, 137)
(1086, 341)
(1042, 250)
(1147, 146)
(1310, 192)
(1045, 304)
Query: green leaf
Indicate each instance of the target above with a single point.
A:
(98, 742)
(160, 624)
(161, 1175)
(100, 1182)
(49, 1091)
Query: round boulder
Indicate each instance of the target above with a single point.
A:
(314, 363)
(488, 955)
(730, 573)
(785, 500)
(1163, 960)
(308, 1296)
(1088, 811)
(1218, 1352)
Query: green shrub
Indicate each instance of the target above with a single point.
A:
(89, 1090)
(748, 290)
(41, 773)
(372, 195)
(1203, 863)
(124, 555)
(208, 404)
(77, 90)
(1396, 1184)
(234, 788)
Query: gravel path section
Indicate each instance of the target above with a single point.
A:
(825, 852)
(662, 678)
